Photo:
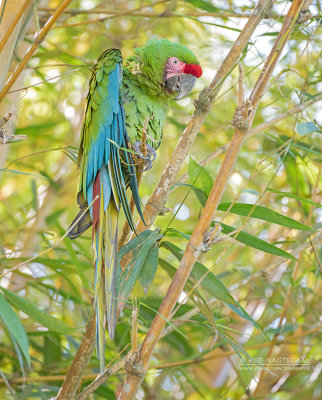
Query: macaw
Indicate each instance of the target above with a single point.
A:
(121, 103)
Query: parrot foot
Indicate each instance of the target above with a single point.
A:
(150, 155)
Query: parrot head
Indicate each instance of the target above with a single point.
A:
(170, 69)
(180, 77)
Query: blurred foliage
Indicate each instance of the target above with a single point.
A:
(45, 304)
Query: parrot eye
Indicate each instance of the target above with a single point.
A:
(175, 61)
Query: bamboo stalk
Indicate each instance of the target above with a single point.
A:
(39, 38)
(14, 24)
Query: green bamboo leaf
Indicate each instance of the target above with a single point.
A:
(255, 242)
(13, 171)
(307, 148)
(269, 34)
(34, 195)
(175, 232)
(200, 194)
(133, 270)
(200, 177)
(36, 129)
(42, 317)
(264, 213)
(296, 178)
(294, 196)
(134, 242)
(204, 5)
(52, 349)
(149, 267)
(14, 327)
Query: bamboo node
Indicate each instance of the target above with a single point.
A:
(133, 365)
(240, 121)
(212, 237)
(304, 16)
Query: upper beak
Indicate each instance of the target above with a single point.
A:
(181, 84)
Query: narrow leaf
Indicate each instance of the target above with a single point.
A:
(42, 317)
(150, 267)
(264, 213)
(255, 242)
(175, 232)
(200, 194)
(131, 273)
(14, 326)
(133, 243)
(200, 177)
(294, 196)
(204, 5)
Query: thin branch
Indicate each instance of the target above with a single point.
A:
(34, 154)
(108, 372)
(73, 378)
(168, 14)
(5, 381)
(4, 139)
(38, 39)
(40, 83)
(148, 14)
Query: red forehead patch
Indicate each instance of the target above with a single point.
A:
(193, 69)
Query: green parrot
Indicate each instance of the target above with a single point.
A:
(121, 103)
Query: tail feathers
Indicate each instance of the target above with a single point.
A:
(110, 244)
(82, 222)
(105, 293)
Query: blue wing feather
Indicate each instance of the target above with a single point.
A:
(105, 113)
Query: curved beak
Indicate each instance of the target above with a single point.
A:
(181, 84)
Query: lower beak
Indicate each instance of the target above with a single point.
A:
(181, 84)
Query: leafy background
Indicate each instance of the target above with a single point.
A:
(271, 268)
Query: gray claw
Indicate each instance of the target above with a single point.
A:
(136, 147)
(151, 154)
